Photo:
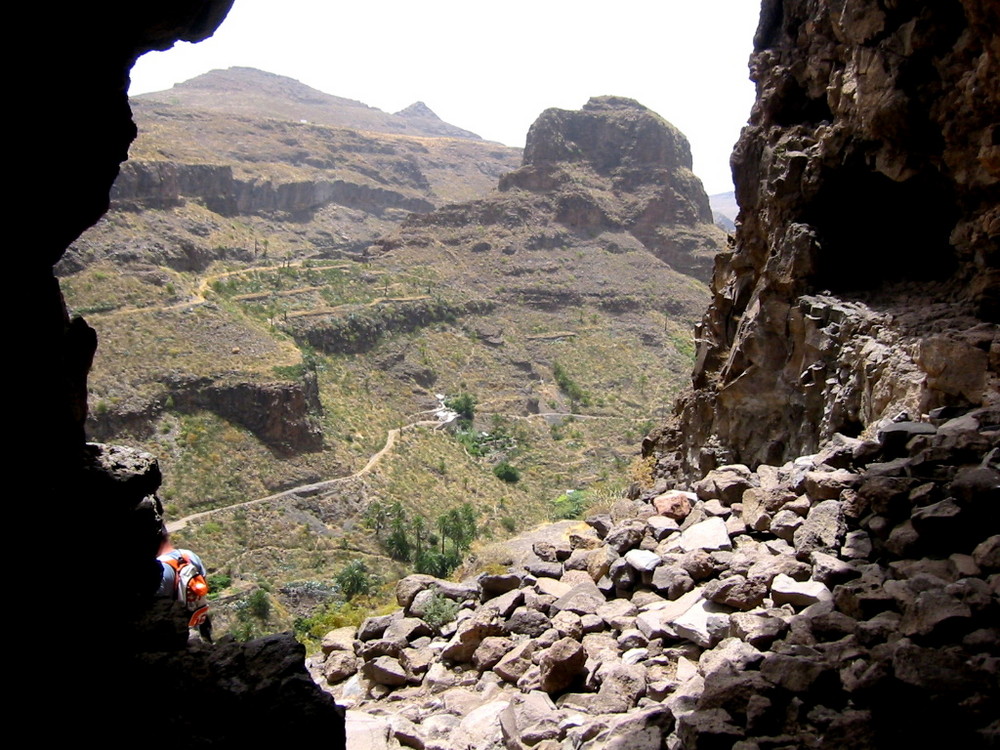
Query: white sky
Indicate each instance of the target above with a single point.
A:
(493, 68)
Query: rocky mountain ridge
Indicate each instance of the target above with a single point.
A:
(262, 94)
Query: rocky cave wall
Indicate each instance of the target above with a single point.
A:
(864, 279)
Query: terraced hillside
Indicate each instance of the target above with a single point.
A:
(292, 383)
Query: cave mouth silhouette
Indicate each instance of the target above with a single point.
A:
(875, 230)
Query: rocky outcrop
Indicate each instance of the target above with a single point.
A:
(164, 184)
(864, 278)
(616, 164)
(427, 122)
(361, 329)
(843, 599)
(280, 415)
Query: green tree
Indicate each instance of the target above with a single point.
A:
(506, 473)
(354, 580)
(464, 404)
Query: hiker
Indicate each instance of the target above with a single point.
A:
(183, 579)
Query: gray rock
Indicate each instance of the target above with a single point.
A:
(406, 629)
(568, 625)
(857, 545)
(625, 536)
(544, 569)
(769, 566)
(785, 523)
(515, 662)
(709, 534)
(707, 729)
(373, 627)
(737, 592)
(704, 623)
(583, 599)
(661, 527)
(642, 560)
(644, 729)
(731, 654)
(561, 664)
(759, 629)
(341, 639)
(823, 529)
(505, 604)
(526, 621)
(621, 687)
(339, 665)
(469, 635)
(798, 593)
(727, 484)
(491, 585)
(491, 650)
(828, 485)
(384, 670)
(672, 581)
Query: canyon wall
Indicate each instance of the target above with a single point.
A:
(864, 280)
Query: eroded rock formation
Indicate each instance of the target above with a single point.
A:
(614, 164)
(864, 279)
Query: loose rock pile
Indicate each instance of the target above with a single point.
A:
(847, 599)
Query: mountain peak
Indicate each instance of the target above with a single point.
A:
(418, 109)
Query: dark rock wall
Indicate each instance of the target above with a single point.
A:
(864, 280)
(165, 184)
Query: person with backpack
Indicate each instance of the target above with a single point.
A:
(184, 579)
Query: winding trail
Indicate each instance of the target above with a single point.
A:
(308, 490)
(198, 296)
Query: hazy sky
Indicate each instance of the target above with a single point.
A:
(492, 68)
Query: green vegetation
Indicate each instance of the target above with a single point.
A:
(506, 473)
(436, 550)
(570, 504)
(252, 614)
(577, 395)
(440, 610)
(354, 579)
(464, 404)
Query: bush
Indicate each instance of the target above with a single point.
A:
(506, 473)
(354, 579)
(569, 505)
(508, 523)
(569, 386)
(259, 605)
(440, 611)
(464, 404)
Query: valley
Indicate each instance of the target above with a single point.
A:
(279, 330)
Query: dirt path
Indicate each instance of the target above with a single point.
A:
(198, 297)
(307, 490)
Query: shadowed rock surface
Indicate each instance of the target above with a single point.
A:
(864, 279)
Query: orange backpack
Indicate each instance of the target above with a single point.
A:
(190, 586)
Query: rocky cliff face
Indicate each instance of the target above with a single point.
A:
(165, 184)
(864, 279)
(616, 165)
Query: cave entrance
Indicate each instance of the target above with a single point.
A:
(875, 230)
